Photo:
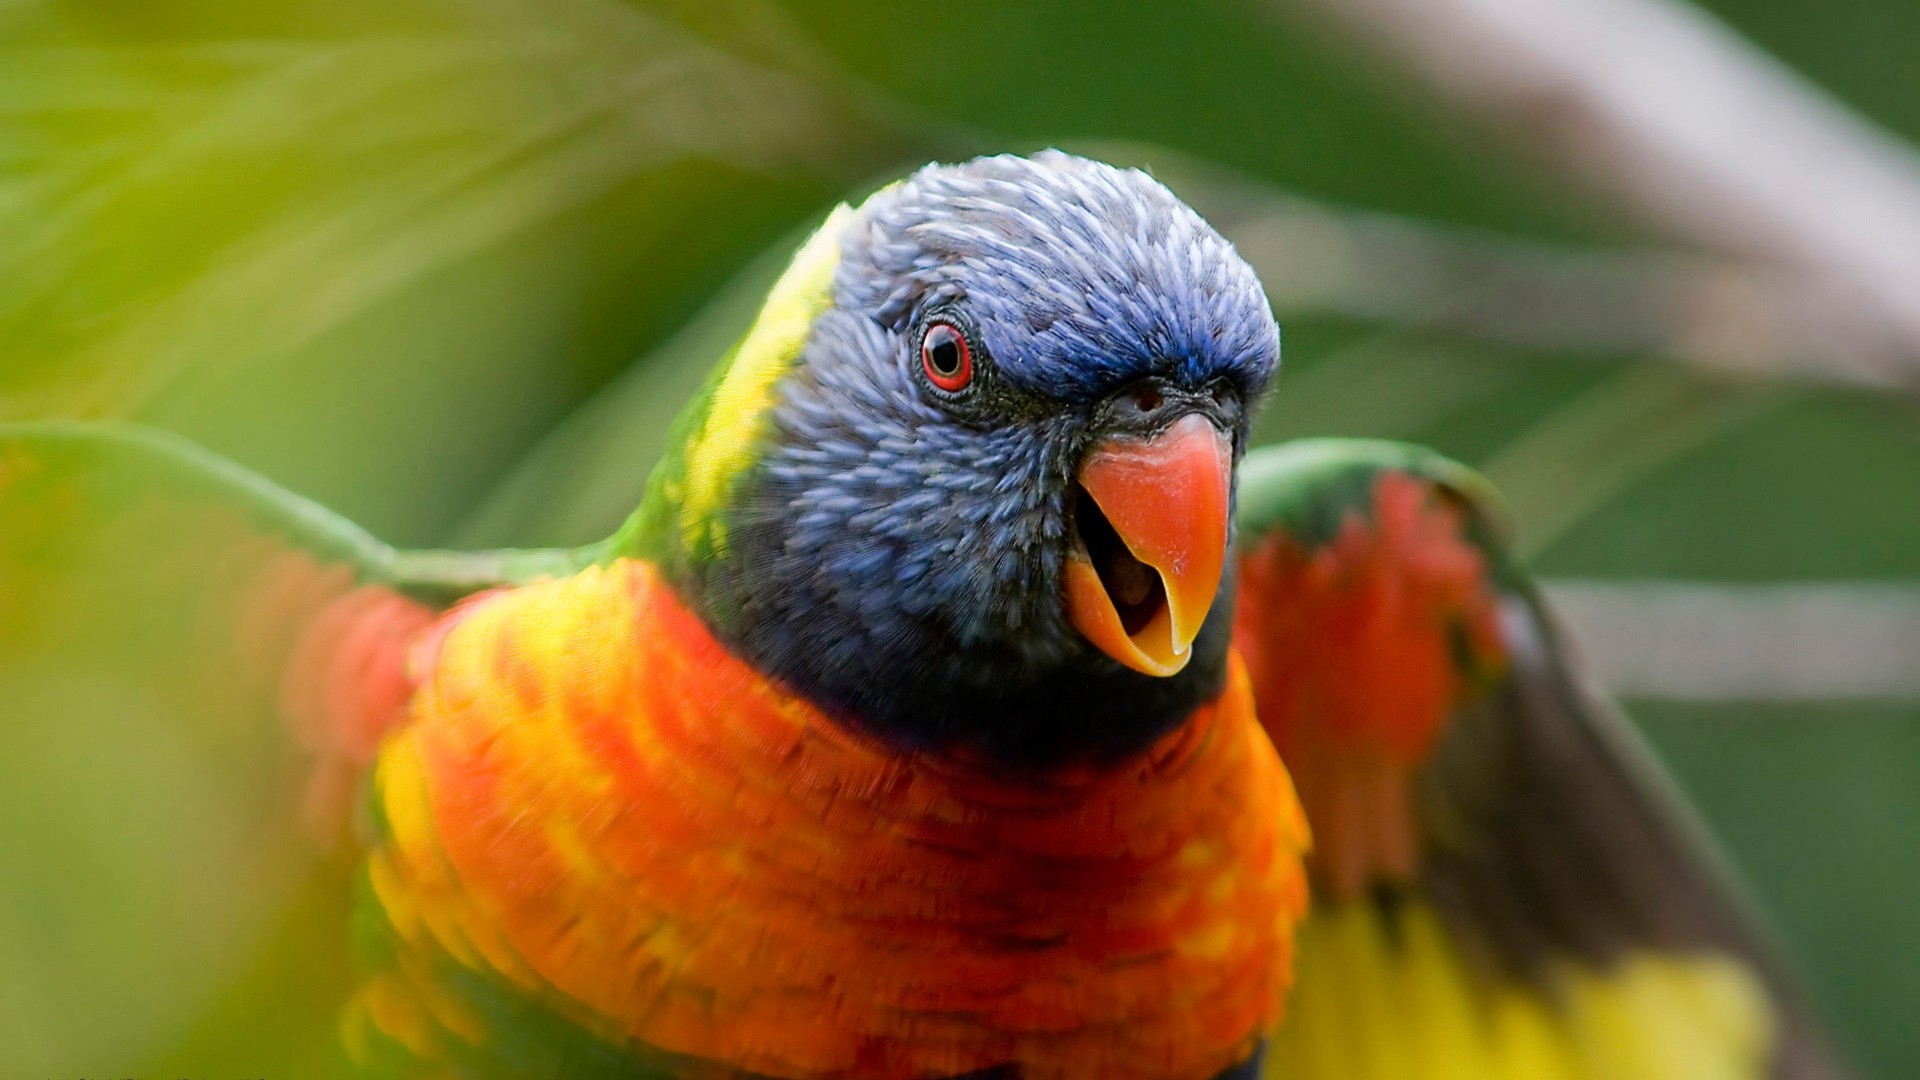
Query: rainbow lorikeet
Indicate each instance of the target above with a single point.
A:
(924, 720)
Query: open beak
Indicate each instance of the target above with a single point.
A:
(1151, 519)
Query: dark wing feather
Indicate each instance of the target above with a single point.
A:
(1553, 850)
(1571, 840)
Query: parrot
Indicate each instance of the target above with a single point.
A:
(965, 698)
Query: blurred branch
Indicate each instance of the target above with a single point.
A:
(1712, 314)
(1784, 642)
(1679, 120)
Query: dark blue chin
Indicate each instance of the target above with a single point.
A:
(905, 680)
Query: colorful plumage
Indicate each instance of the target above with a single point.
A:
(789, 898)
(1505, 886)
(908, 728)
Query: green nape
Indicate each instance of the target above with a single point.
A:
(718, 437)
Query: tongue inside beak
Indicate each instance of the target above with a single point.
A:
(1152, 523)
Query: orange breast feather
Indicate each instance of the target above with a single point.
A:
(598, 802)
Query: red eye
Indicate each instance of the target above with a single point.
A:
(944, 353)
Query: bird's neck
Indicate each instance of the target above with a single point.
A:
(900, 676)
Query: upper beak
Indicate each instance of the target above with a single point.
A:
(1152, 543)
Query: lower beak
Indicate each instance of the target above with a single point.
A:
(1152, 524)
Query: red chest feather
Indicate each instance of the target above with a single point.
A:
(595, 798)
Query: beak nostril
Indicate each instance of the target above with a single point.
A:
(1147, 398)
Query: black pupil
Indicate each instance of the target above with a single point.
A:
(943, 351)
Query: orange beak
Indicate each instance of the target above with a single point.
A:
(1152, 538)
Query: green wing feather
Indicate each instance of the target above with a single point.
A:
(131, 558)
(1567, 915)
(76, 482)
(165, 780)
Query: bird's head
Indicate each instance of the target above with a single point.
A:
(967, 482)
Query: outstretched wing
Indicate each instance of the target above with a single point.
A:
(1506, 883)
(132, 559)
(194, 669)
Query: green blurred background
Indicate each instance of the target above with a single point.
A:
(448, 266)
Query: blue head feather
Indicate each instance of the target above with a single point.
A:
(1083, 276)
(897, 554)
